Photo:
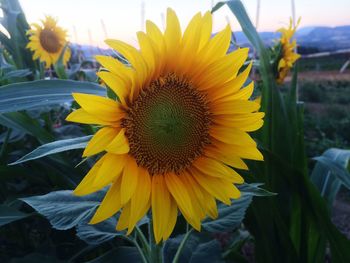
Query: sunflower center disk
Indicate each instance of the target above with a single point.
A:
(168, 125)
(49, 41)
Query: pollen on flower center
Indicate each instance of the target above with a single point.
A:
(167, 125)
(49, 40)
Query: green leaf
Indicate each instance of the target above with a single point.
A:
(36, 94)
(36, 258)
(22, 122)
(59, 66)
(217, 7)
(199, 248)
(230, 217)
(330, 172)
(254, 190)
(99, 233)
(119, 254)
(63, 209)
(55, 147)
(9, 214)
(102, 232)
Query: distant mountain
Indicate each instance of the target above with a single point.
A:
(312, 39)
(318, 38)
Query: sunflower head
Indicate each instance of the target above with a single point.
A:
(288, 56)
(179, 127)
(47, 41)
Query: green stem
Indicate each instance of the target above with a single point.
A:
(143, 240)
(4, 145)
(156, 249)
(181, 247)
(143, 256)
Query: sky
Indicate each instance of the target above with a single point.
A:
(92, 21)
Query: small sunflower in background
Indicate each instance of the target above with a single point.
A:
(48, 42)
(288, 46)
(180, 124)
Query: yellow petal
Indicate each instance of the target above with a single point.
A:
(196, 203)
(119, 145)
(129, 180)
(207, 23)
(123, 221)
(109, 205)
(156, 35)
(110, 169)
(119, 87)
(216, 47)
(214, 168)
(103, 108)
(232, 86)
(81, 116)
(86, 187)
(244, 94)
(232, 136)
(172, 220)
(161, 206)
(243, 122)
(100, 140)
(234, 107)
(182, 198)
(140, 201)
(231, 160)
(148, 52)
(222, 70)
(243, 151)
(215, 186)
(172, 34)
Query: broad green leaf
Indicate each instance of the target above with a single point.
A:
(119, 254)
(22, 122)
(36, 94)
(330, 172)
(199, 248)
(254, 190)
(55, 147)
(99, 233)
(9, 214)
(230, 217)
(37, 258)
(63, 209)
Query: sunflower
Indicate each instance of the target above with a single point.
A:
(48, 42)
(178, 127)
(289, 56)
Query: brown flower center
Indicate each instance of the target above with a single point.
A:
(167, 125)
(49, 40)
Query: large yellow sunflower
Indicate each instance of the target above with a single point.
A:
(289, 56)
(178, 128)
(48, 41)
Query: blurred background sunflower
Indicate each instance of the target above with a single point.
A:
(48, 41)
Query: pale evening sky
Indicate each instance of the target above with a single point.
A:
(122, 18)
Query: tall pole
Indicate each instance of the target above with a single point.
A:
(293, 12)
(143, 15)
(257, 18)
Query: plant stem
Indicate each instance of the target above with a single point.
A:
(156, 249)
(182, 245)
(144, 259)
(143, 239)
(7, 137)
